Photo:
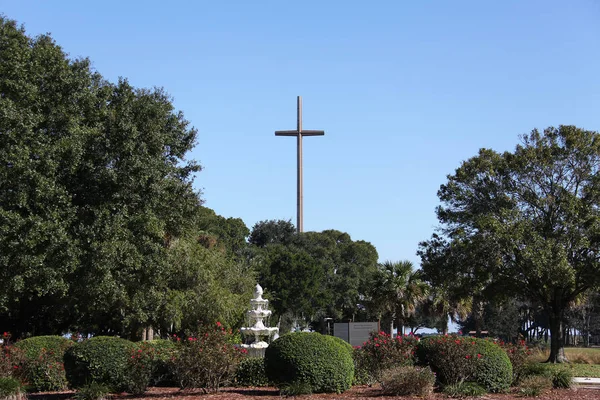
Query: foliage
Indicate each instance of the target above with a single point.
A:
(141, 365)
(524, 223)
(43, 366)
(461, 359)
(295, 388)
(102, 360)
(535, 385)
(562, 379)
(272, 232)
(464, 389)
(518, 355)
(92, 391)
(230, 233)
(407, 381)
(205, 286)
(251, 372)
(381, 352)
(323, 362)
(207, 360)
(160, 352)
(363, 374)
(95, 185)
(11, 359)
(396, 290)
(314, 274)
(10, 389)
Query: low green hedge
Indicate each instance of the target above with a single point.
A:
(42, 365)
(319, 362)
(250, 372)
(101, 360)
(458, 359)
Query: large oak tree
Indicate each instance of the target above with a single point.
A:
(94, 185)
(526, 221)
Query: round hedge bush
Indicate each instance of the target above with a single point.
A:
(456, 359)
(43, 362)
(101, 359)
(324, 363)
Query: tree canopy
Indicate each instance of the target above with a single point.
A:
(526, 221)
(312, 274)
(97, 210)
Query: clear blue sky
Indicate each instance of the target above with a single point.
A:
(405, 91)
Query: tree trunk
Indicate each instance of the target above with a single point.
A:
(586, 330)
(557, 344)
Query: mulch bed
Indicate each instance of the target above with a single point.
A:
(356, 393)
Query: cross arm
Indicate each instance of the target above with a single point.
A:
(286, 133)
(304, 133)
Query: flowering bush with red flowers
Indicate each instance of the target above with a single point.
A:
(43, 366)
(11, 359)
(382, 352)
(207, 360)
(518, 354)
(457, 359)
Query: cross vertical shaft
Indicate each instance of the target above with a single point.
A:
(299, 132)
(300, 191)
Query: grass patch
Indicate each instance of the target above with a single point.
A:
(576, 355)
(579, 370)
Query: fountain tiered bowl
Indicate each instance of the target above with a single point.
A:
(256, 315)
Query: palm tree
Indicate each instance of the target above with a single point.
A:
(443, 305)
(397, 291)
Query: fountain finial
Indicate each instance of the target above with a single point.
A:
(258, 292)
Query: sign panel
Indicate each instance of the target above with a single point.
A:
(358, 332)
(340, 330)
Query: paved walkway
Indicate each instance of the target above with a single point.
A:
(587, 383)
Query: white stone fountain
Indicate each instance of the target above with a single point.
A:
(256, 334)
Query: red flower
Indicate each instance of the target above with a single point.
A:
(467, 357)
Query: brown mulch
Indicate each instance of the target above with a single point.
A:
(356, 393)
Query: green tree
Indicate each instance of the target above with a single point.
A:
(94, 185)
(397, 291)
(230, 233)
(272, 232)
(335, 276)
(532, 216)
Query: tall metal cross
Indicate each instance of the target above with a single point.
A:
(299, 133)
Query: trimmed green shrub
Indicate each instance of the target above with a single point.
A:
(464, 389)
(11, 389)
(535, 385)
(380, 353)
(462, 359)
(408, 380)
(43, 367)
(323, 362)
(208, 360)
(102, 360)
(251, 372)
